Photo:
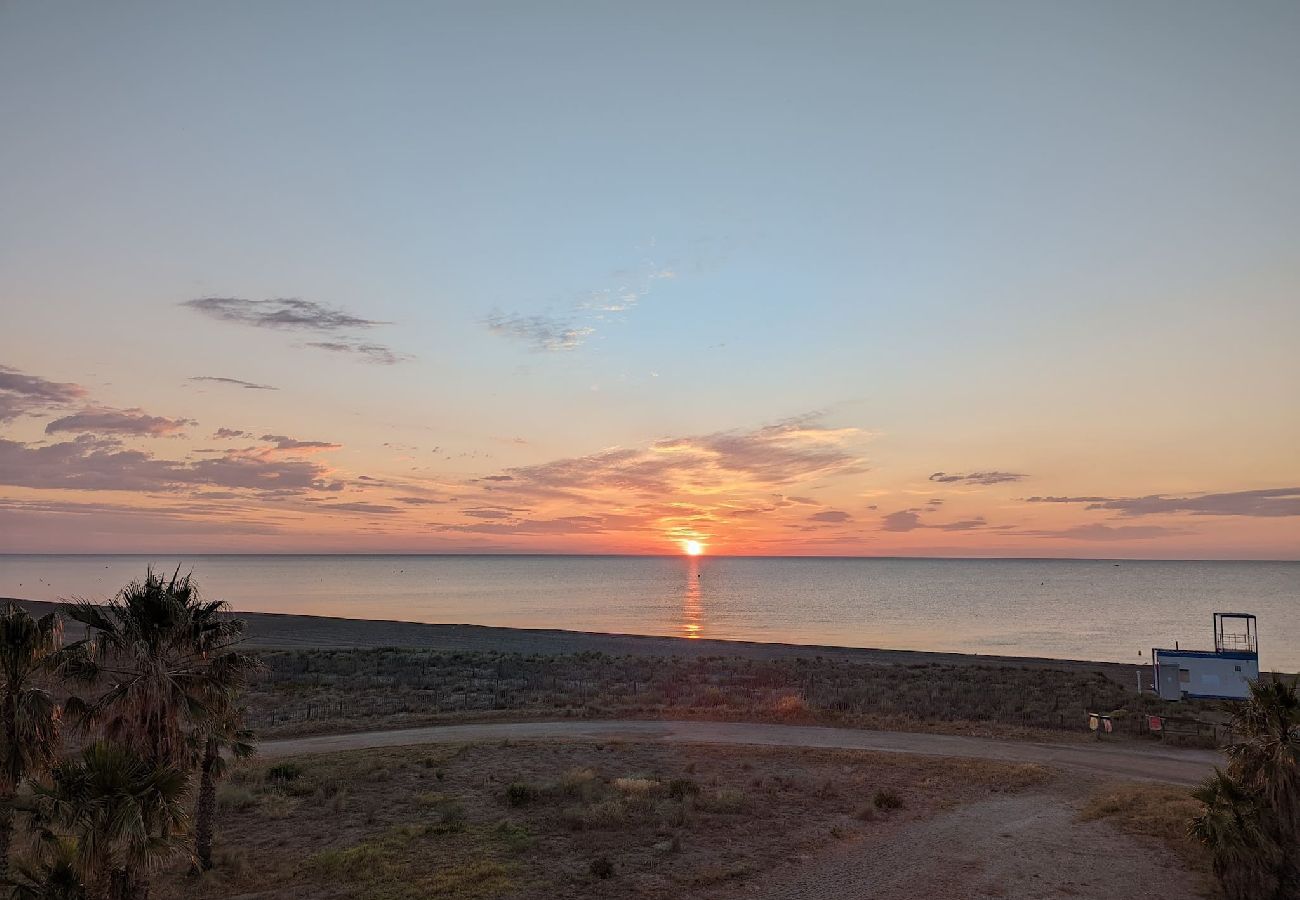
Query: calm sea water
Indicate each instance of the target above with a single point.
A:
(1057, 608)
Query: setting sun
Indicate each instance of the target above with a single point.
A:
(692, 548)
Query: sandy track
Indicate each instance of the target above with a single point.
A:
(1023, 846)
(1114, 760)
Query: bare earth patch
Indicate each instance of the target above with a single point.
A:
(1029, 845)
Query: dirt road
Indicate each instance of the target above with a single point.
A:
(1028, 846)
(1126, 760)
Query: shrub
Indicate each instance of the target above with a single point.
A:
(608, 814)
(521, 793)
(888, 800)
(452, 817)
(234, 796)
(284, 772)
(517, 838)
(727, 801)
(601, 867)
(580, 784)
(680, 788)
(637, 786)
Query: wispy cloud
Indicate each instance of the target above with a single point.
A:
(674, 487)
(55, 517)
(230, 434)
(632, 287)
(292, 314)
(22, 394)
(282, 313)
(540, 332)
(248, 385)
(118, 421)
(568, 331)
(903, 520)
(1266, 503)
(94, 464)
(359, 506)
(284, 443)
(760, 460)
(377, 354)
(910, 520)
(983, 478)
(560, 525)
(1100, 532)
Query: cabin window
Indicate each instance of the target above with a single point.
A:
(1236, 668)
(1184, 676)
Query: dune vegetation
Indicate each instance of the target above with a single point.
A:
(318, 690)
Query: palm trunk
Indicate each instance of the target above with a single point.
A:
(205, 816)
(6, 835)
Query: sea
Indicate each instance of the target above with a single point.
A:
(1111, 610)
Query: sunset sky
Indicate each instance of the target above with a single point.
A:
(1001, 279)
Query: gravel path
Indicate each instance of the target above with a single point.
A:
(1025, 847)
(1127, 760)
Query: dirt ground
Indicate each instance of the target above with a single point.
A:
(1026, 846)
(568, 820)
(565, 820)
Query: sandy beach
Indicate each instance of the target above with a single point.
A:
(282, 631)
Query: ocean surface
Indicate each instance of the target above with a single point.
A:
(1102, 610)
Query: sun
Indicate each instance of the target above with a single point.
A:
(692, 548)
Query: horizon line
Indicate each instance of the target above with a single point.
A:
(557, 554)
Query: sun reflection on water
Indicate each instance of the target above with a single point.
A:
(692, 608)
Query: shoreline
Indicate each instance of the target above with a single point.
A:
(292, 631)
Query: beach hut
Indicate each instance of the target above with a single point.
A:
(1224, 673)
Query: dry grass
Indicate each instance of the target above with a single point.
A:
(1155, 811)
(402, 824)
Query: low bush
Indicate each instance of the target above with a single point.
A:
(726, 801)
(235, 797)
(680, 788)
(521, 793)
(284, 772)
(517, 838)
(580, 784)
(887, 800)
(637, 786)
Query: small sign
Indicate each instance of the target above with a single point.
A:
(1093, 722)
(1155, 723)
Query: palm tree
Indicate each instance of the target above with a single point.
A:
(170, 673)
(1243, 855)
(224, 737)
(1251, 820)
(1266, 762)
(117, 817)
(53, 875)
(166, 658)
(29, 732)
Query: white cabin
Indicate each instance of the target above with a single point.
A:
(1224, 673)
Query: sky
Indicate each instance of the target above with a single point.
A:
(933, 279)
